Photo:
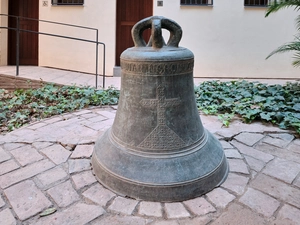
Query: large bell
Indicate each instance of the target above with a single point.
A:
(157, 148)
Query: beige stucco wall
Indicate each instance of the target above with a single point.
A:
(230, 40)
(3, 32)
(75, 55)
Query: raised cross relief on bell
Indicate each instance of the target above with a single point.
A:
(157, 148)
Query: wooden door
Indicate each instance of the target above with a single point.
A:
(28, 54)
(129, 12)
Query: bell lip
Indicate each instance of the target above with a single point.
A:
(175, 184)
(172, 153)
(174, 192)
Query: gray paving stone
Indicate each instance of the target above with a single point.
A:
(56, 153)
(39, 145)
(83, 179)
(98, 194)
(2, 203)
(282, 169)
(233, 153)
(11, 146)
(123, 205)
(250, 151)
(239, 215)
(277, 140)
(108, 114)
(4, 156)
(150, 209)
(282, 136)
(297, 182)
(249, 138)
(254, 164)
(24, 173)
(176, 210)
(297, 141)
(120, 220)
(77, 214)
(288, 215)
(236, 183)
(53, 120)
(82, 151)
(225, 144)
(260, 202)
(88, 115)
(199, 206)
(220, 198)
(51, 176)
(63, 194)
(95, 125)
(97, 118)
(195, 221)
(294, 148)
(26, 199)
(283, 153)
(238, 166)
(165, 222)
(227, 133)
(26, 155)
(8, 166)
(78, 165)
(108, 123)
(81, 112)
(277, 189)
(36, 125)
(7, 218)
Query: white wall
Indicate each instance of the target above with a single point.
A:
(230, 40)
(75, 55)
(3, 32)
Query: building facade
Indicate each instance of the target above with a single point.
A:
(228, 38)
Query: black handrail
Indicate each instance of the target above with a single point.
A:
(96, 41)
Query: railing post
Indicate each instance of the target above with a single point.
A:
(97, 59)
(103, 65)
(18, 47)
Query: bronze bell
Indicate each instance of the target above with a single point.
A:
(157, 148)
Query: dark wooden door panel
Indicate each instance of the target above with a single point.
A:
(28, 51)
(129, 12)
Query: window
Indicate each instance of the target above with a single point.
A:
(67, 2)
(196, 2)
(256, 3)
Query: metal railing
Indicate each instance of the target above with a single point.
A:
(96, 41)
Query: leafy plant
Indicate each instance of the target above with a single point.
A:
(291, 46)
(251, 101)
(23, 106)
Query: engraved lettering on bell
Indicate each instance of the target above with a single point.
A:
(162, 137)
(166, 69)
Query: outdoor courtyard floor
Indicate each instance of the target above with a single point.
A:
(47, 165)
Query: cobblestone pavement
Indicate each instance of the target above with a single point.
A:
(46, 166)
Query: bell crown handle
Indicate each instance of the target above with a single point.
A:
(156, 23)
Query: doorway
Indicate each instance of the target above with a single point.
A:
(28, 44)
(129, 12)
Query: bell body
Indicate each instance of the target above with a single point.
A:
(157, 148)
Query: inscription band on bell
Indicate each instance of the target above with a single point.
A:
(158, 68)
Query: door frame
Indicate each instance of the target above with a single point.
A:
(11, 40)
(118, 27)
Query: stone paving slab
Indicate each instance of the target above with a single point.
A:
(26, 199)
(47, 164)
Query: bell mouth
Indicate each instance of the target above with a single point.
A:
(165, 179)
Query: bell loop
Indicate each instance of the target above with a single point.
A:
(156, 23)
